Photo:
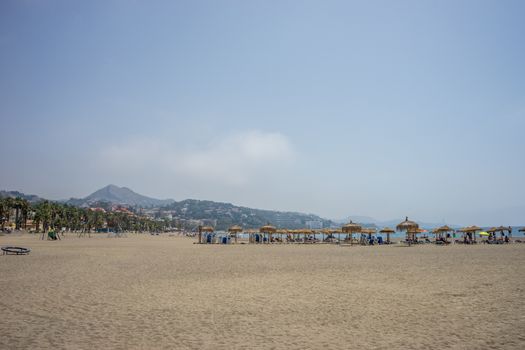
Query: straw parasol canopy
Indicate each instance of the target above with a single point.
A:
(235, 229)
(204, 229)
(351, 228)
(388, 231)
(368, 231)
(407, 225)
(267, 229)
(443, 229)
(503, 228)
(416, 230)
(410, 227)
(470, 232)
(473, 228)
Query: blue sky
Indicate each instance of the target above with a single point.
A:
(377, 108)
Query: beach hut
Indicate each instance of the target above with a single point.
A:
(387, 231)
(234, 230)
(269, 230)
(350, 229)
(410, 227)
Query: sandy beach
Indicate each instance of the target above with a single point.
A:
(154, 292)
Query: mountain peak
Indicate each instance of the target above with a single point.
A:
(123, 195)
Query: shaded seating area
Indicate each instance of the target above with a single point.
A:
(469, 234)
(503, 238)
(206, 235)
(234, 231)
(388, 231)
(350, 229)
(442, 235)
(355, 234)
(410, 228)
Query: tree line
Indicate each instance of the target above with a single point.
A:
(47, 215)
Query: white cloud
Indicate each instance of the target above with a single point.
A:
(233, 160)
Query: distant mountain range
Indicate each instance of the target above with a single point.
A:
(119, 195)
(221, 214)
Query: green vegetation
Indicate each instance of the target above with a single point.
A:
(148, 213)
(224, 215)
(46, 215)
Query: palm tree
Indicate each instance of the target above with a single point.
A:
(5, 210)
(25, 207)
(21, 206)
(43, 214)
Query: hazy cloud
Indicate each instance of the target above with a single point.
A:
(232, 160)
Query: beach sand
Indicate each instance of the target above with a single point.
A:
(149, 292)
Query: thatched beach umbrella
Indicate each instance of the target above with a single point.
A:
(441, 230)
(269, 229)
(409, 227)
(369, 232)
(351, 228)
(281, 232)
(388, 231)
(330, 232)
(307, 232)
(502, 229)
(235, 229)
(444, 228)
(470, 232)
(251, 233)
(204, 229)
(323, 233)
